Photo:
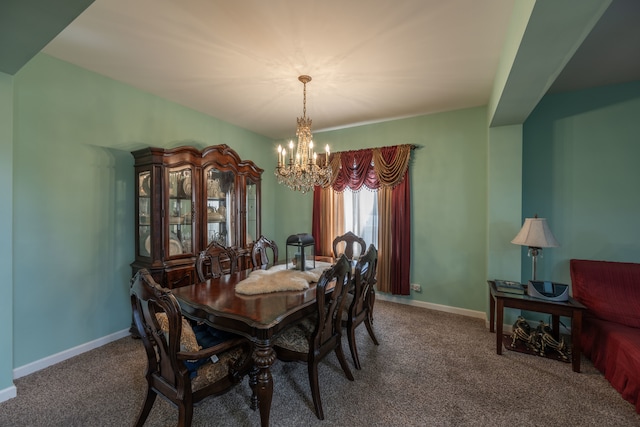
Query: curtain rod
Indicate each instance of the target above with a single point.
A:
(413, 147)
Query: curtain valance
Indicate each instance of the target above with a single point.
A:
(371, 167)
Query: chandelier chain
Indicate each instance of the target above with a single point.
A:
(304, 100)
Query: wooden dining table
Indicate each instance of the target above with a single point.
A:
(259, 317)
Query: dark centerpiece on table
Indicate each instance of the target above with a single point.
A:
(299, 242)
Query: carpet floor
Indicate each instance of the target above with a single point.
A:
(430, 369)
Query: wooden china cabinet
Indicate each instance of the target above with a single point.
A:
(185, 199)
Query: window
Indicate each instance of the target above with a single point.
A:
(361, 214)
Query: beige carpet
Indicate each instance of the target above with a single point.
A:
(431, 369)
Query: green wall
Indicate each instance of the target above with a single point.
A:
(6, 253)
(448, 174)
(504, 213)
(581, 172)
(503, 207)
(73, 197)
(293, 211)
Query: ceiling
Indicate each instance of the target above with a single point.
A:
(370, 61)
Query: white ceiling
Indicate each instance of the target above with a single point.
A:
(239, 60)
(370, 60)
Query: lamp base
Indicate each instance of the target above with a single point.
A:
(533, 253)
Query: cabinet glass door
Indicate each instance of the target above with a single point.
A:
(221, 207)
(178, 214)
(252, 212)
(144, 214)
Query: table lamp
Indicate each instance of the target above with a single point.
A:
(536, 235)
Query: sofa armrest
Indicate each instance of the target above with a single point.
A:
(610, 290)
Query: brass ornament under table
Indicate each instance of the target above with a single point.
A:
(539, 341)
(498, 301)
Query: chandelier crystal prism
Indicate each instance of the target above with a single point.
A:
(302, 170)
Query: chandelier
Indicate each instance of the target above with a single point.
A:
(302, 170)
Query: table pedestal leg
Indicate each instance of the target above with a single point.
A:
(264, 356)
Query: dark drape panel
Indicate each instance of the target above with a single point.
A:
(401, 238)
(395, 160)
(355, 170)
(316, 223)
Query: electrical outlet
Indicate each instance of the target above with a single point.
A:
(416, 287)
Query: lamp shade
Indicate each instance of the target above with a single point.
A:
(535, 233)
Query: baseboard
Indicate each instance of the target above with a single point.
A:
(8, 393)
(67, 354)
(432, 306)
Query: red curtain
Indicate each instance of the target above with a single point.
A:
(401, 238)
(316, 223)
(386, 166)
(355, 170)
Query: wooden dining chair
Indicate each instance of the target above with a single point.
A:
(215, 261)
(313, 338)
(346, 244)
(259, 255)
(177, 367)
(359, 305)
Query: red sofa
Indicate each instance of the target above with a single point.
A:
(611, 325)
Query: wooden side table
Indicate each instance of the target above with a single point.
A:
(571, 308)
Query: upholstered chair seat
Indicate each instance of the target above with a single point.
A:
(347, 304)
(213, 372)
(297, 337)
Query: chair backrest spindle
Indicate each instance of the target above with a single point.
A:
(259, 254)
(216, 261)
(346, 244)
